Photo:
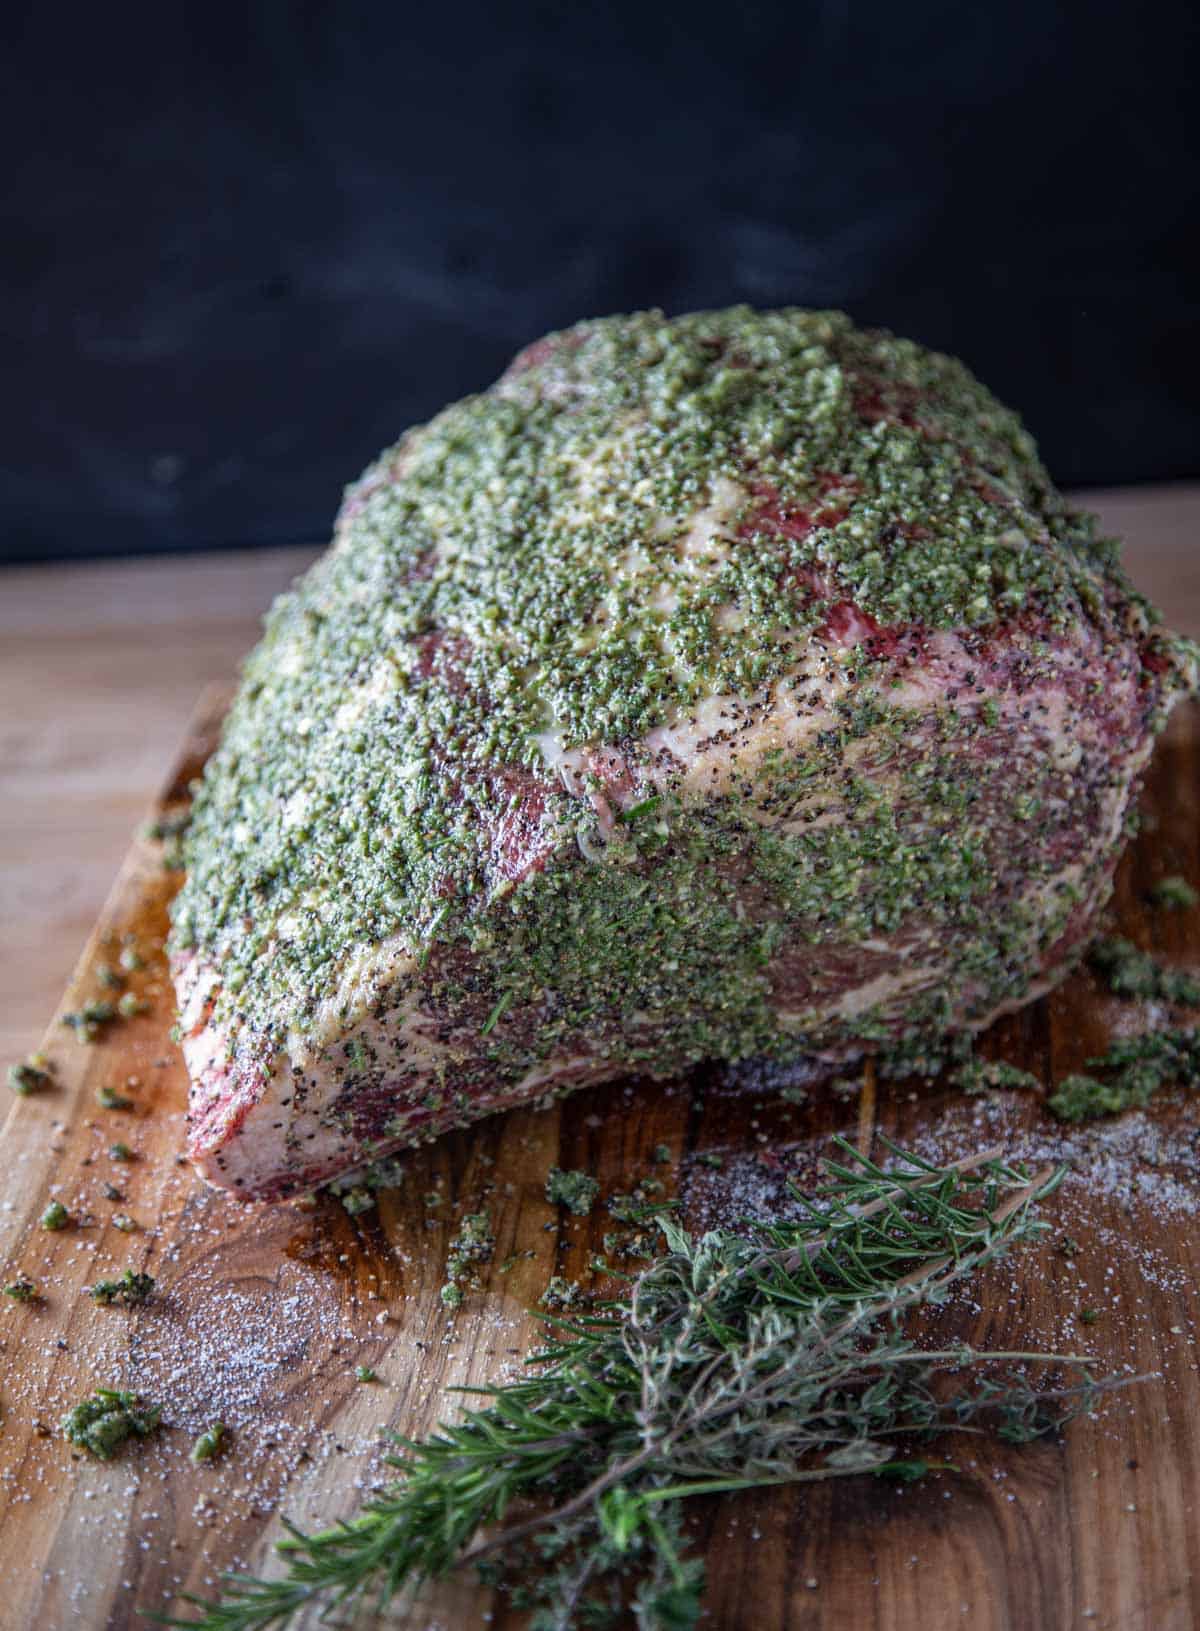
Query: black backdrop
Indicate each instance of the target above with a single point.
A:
(244, 246)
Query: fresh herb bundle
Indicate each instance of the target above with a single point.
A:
(733, 1362)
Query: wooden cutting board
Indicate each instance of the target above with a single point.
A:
(261, 1316)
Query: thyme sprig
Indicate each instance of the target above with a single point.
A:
(734, 1361)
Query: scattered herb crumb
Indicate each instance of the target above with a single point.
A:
(132, 1288)
(1080, 1097)
(926, 1055)
(88, 1021)
(129, 1006)
(55, 1216)
(364, 1373)
(710, 1158)
(123, 1222)
(577, 1191)
(1089, 1316)
(1175, 893)
(21, 1290)
(1136, 1067)
(662, 1154)
(358, 1190)
(1130, 972)
(109, 1099)
(120, 1152)
(210, 1444)
(561, 1293)
(102, 1423)
(474, 1243)
(984, 1075)
(27, 1078)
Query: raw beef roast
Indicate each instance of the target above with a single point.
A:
(732, 685)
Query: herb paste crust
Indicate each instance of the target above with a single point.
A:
(724, 685)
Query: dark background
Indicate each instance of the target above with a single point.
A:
(243, 247)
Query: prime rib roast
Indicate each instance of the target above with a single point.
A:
(727, 686)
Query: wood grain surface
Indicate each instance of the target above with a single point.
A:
(261, 1317)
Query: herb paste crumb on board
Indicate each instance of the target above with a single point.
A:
(733, 685)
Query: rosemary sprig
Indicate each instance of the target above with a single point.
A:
(734, 1361)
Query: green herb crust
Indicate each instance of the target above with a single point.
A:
(644, 515)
